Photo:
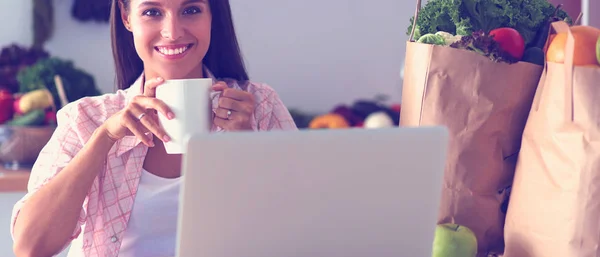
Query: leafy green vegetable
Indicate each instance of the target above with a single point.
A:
(77, 83)
(484, 44)
(432, 39)
(448, 38)
(434, 17)
(463, 17)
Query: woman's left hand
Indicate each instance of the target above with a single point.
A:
(235, 108)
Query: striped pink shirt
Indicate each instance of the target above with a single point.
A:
(108, 205)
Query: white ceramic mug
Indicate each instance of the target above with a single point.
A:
(189, 100)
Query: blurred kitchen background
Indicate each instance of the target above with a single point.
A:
(316, 54)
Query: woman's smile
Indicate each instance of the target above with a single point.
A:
(173, 52)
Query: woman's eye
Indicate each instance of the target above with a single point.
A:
(151, 12)
(191, 10)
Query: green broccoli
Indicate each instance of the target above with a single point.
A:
(77, 83)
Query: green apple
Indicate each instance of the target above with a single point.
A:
(598, 50)
(453, 240)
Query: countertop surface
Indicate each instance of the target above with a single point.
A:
(13, 180)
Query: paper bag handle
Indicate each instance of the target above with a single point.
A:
(414, 25)
(563, 27)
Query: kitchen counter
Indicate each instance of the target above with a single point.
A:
(13, 180)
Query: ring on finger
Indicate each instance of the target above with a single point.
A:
(141, 116)
(228, 114)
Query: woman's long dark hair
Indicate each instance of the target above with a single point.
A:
(223, 59)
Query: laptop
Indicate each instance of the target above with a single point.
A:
(312, 193)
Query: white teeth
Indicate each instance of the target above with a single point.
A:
(171, 51)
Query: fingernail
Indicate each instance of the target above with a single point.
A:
(159, 79)
(170, 115)
(166, 138)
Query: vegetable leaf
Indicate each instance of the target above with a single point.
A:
(77, 83)
(463, 17)
(484, 44)
(435, 16)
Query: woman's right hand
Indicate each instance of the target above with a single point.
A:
(140, 117)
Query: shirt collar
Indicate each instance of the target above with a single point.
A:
(137, 88)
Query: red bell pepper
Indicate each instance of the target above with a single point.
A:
(6, 106)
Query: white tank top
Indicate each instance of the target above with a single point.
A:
(152, 227)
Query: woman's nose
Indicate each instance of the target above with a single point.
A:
(171, 29)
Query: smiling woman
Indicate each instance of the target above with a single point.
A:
(104, 180)
(170, 32)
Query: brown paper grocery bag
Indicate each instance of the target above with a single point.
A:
(484, 105)
(555, 203)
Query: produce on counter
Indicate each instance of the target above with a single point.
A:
(37, 99)
(77, 83)
(379, 119)
(586, 44)
(329, 121)
(349, 115)
(35, 117)
(35, 111)
(361, 114)
(396, 108)
(13, 58)
(463, 17)
(31, 109)
(364, 108)
(50, 117)
(6, 105)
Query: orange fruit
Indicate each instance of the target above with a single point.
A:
(585, 46)
(329, 121)
(550, 38)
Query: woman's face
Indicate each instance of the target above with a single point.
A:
(170, 36)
